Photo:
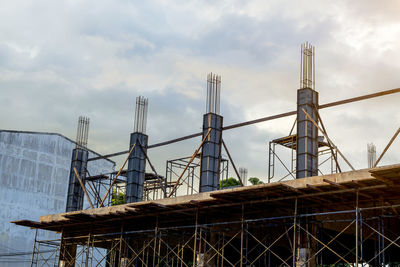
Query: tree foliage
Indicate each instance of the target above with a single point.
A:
(229, 182)
(117, 198)
(255, 180)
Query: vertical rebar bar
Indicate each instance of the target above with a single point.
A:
(371, 149)
(213, 93)
(307, 66)
(82, 132)
(140, 119)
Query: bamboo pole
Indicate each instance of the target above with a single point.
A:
(187, 165)
(327, 138)
(233, 164)
(83, 188)
(387, 147)
(116, 176)
(330, 145)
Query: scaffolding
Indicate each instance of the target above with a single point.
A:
(344, 220)
(189, 184)
(336, 219)
(325, 154)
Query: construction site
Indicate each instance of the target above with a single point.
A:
(140, 217)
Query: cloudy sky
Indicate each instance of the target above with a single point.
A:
(62, 59)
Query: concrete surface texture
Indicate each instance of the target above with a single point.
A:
(34, 171)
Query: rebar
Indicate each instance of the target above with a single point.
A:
(243, 174)
(307, 66)
(140, 121)
(213, 93)
(82, 132)
(371, 155)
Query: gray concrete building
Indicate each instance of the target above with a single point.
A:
(34, 172)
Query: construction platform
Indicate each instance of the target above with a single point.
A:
(344, 218)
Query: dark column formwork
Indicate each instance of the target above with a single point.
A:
(307, 134)
(211, 153)
(75, 192)
(136, 168)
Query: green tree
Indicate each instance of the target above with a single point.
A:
(255, 180)
(229, 182)
(117, 198)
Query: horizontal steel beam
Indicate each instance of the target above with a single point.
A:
(273, 117)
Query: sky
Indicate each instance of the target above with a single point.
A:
(63, 59)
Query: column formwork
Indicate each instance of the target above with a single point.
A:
(136, 167)
(211, 152)
(75, 195)
(307, 133)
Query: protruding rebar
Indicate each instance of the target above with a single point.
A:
(82, 132)
(307, 66)
(371, 155)
(140, 121)
(243, 175)
(213, 93)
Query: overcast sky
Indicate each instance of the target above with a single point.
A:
(62, 59)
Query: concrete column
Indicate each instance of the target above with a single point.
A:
(67, 252)
(306, 161)
(136, 168)
(211, 153)
(75, 200)
(307, 134)
(75, 195)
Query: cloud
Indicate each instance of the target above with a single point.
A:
(61, 60)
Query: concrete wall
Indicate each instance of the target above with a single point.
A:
(34, 171)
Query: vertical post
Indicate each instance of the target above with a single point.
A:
(383, 241)
(294, 233)
(147, 256)
(121, 253)
(155, 242)
(154, 246)
(159, 249)
(223, 250)
(143, 252)
(241, 238)
(34, 247)
(195, 239)
(361, 237)
(182, 254)
(87, 251)
(61, 247)
(379, 242)
(55, 256)
(357, 228)
(200, 256)
(270, 164)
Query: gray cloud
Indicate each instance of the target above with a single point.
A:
(59, 60)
